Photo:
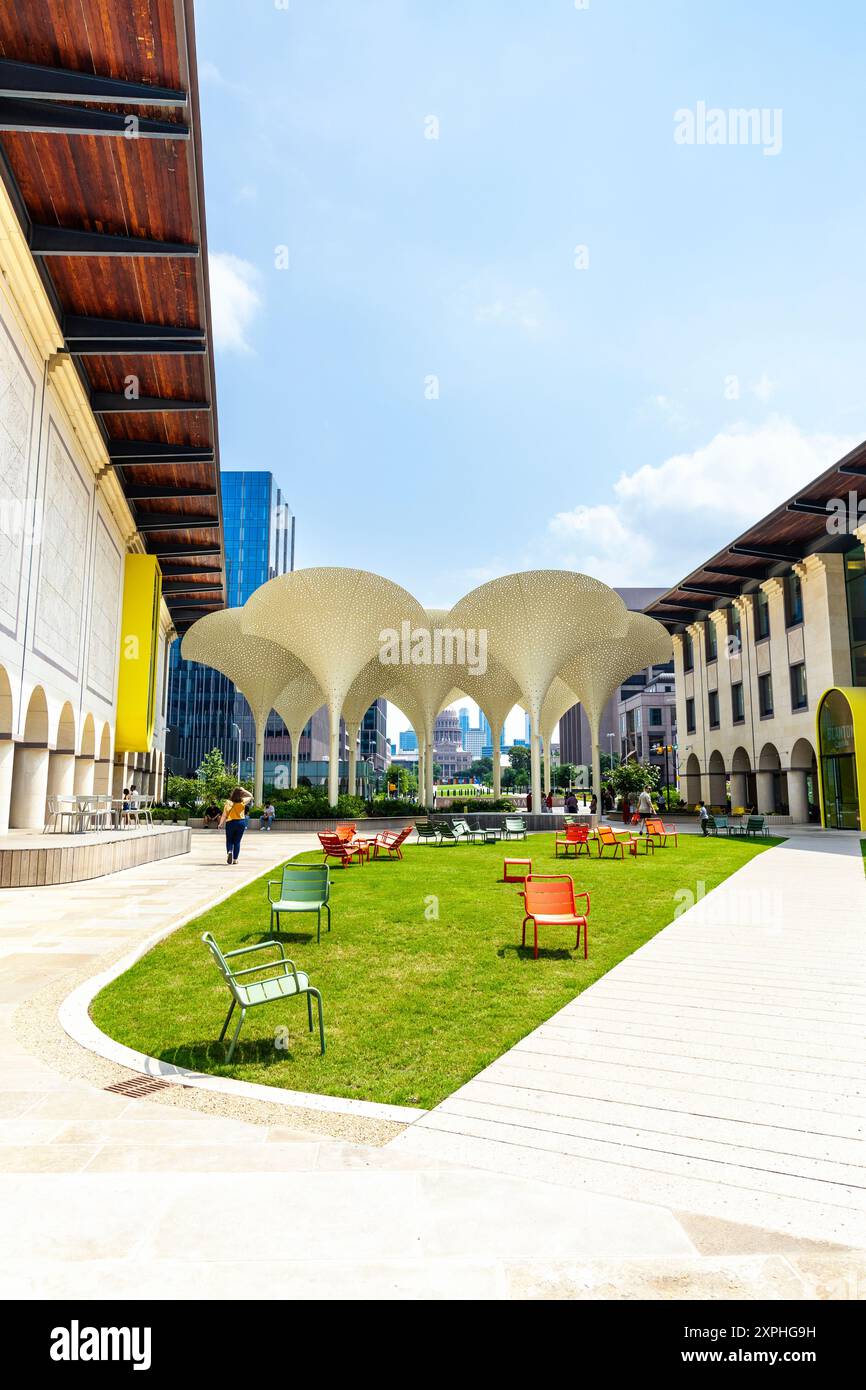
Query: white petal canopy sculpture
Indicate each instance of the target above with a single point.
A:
(400, 695)
(596, 672)
(368, 685)
(431, 681)
(559, 698)
(535, 623)
(296, 704)
(496, 694)
(257, 667)
(332, 620)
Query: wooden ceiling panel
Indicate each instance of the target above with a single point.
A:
(132, 39)
(161, 291)
(177, 377)
(96, 183)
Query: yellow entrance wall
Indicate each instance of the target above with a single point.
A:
(856, 699)
(139, 644)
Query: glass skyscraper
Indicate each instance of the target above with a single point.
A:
(204, 709)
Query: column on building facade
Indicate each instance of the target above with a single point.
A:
(61, 773)
(7, 759)
(827, 638)
(85, 770)
(766, 792)
(699, 695)
(798, 796)
(739, 789)
(29, 788)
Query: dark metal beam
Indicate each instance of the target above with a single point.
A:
(809, 508)
(172, 551)
(717, 590)
(761, 552)
(152, 492)
(179, 586)
(74, 241)
(116, 403)
(63, 84)
(184, 571)
(49, 118)
(110, 337)
(175, 521)
(125, 452)
(190, 615)
(749, 572)
(858, 469)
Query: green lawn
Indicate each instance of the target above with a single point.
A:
(414, 1005)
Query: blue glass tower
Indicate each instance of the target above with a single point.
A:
(204, 709)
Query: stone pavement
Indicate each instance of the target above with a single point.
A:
(102, 1195)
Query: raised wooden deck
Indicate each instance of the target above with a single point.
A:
(29, 859)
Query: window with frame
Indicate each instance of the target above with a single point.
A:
(711, 641)
(799, 694)
(735, 631)
(738, 709)
(793, 600)
(690, 716)
(688, 652)
(765, 696)
(713, 708)
(761, 605)
(656, 717)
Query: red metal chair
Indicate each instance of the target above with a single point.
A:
(550, 902)
(576, 835)
(344, 850)
(346, 832)
(391, 840)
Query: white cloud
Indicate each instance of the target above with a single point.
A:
(664, 519)
(235, 300)
(763, 388)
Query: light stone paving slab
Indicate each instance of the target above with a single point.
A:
(719, 1070)
(104, 1196)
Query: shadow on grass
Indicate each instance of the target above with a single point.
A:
(544, 953)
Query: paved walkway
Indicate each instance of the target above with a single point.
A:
(100, 1194)
(720, 1070)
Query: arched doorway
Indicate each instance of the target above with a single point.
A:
(842, 752)
(772, 791)
(85, 761)
(61, 760)
(30, 767)
(744, 791)
(803, 797)
(102, 772)
(718, 779)
(692, 793)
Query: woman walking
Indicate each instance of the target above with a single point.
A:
(234, 819)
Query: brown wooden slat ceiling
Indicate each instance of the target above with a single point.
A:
(145, 188)
(785, 535)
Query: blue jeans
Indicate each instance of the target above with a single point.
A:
(234, 834)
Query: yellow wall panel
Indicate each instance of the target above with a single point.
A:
(139, 645)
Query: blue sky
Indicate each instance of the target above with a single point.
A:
(625, 418)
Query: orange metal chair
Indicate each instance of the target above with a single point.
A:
(550, 902)
(576, 836)
(391, 840)
(346, 832)
(344, 850)
(607, 837)
(657, 830)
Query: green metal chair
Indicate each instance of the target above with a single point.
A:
(717, 823)
(447, 833)
(303, 888)
(464, 831)
(288, 982)
(426, 830)
(756, 825)
(514, 829)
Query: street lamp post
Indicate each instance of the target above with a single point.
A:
(240, 747)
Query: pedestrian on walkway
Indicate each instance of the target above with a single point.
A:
(268, 816)
(704, 818)
(644, 808)
(234, 820)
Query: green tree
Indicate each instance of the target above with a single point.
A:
(482, 768)
(214, 778)
(519, 759)
(632, 777)
(565, 775)
(184, 790)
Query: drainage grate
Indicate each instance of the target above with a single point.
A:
(138, 1086)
